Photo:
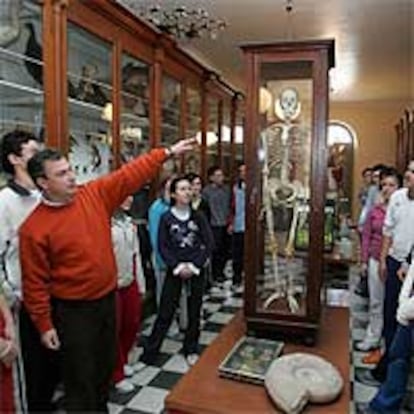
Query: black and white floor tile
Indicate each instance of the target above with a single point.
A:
(154, 382)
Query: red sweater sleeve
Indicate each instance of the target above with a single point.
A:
(115, 187)
(36, 271)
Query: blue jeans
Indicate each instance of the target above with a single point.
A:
(392, 291)
(392, 391)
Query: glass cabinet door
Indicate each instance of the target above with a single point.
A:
(239, 136)
(134, 125)
(21, 69)
(90, 103)
(170, 119)
(193, 129)
(226, 140)
(212, 132)
(285, 114)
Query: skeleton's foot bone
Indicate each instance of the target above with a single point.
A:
(293, 303)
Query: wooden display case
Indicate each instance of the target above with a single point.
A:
(95, 81)
(22, 98)
(91, 79)
(286, 124)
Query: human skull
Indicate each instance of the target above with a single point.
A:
(289, 101)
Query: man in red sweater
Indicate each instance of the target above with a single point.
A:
(69, 267)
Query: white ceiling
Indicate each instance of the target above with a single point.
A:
(374, 40)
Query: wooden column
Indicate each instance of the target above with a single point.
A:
(204, 126)
(116, 102)
(155, 97)
(54, 72)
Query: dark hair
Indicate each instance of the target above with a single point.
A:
(379, 167)
(365, 170)
(12, 143)
(192, 176)
(173, 186)
(392, 172)
(212, 170)
(36, 164)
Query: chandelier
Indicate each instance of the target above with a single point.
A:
(180, 22)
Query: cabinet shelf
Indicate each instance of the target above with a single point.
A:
(86, 105)
(8, 94)
(11, 55)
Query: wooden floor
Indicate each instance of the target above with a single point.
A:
(202, 391)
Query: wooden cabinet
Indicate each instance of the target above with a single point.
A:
(286, 123)
(93, 80)
(22, 97)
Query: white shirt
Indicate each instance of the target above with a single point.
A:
(405, 311)
(399, 224)
(127, 253)
(15, 207)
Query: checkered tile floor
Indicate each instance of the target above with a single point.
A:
(154, 382)
(363, 392)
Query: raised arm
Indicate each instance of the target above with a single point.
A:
(114, 187)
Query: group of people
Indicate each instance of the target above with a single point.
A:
(387, 276)
(188, 215)
(71, 277)
(69, 297)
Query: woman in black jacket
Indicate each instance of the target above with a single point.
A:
(185, 243)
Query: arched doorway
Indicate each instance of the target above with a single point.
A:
(341, 146)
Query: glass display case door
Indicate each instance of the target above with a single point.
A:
(21, 70)
(212, 133)
(225, 139)
(134, 134)
(286, 109)
(89, 76)
(170, 119)
(134, 125)
(285, 135)
(193, 129)
(238, 142)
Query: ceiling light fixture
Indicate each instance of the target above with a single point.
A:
(180, 22)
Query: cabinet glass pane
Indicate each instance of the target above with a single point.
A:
(285, 111)
(239, 135)
(21, 69)
(134, 108)
(193, 117)
(225, 139)
(90, 104)
(212, 132)
(170, 119)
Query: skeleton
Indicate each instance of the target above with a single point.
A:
(281, 192)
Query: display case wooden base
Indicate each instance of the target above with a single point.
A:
(203, 391)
